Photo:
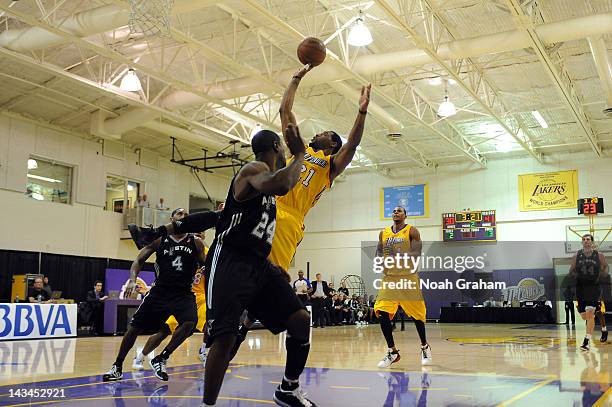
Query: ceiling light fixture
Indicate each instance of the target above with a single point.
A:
(447, 108)
(359, 34)
(540, 119)
(130, 81)
(32, 164)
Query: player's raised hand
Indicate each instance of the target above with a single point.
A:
(303, 71)
(364, 99)
(294, 140)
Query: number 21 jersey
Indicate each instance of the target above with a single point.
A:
(247, 225)
(314, 180)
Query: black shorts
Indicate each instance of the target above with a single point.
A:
(583, 304)
(160, 303)
(237, 281)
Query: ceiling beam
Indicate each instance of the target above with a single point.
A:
(425, 108)
(555, 68)
(490, 104)
(57, 71)
(116, 56)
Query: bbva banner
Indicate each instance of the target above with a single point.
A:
(31, 321)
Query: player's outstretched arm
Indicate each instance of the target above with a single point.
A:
(194, 223)
(344, 157)
(280, 182)
(286, 106)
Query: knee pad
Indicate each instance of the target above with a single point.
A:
(589, 309)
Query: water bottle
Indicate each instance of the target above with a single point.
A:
(17, 298)
(39, 298)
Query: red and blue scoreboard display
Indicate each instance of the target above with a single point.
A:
(470, 226)
(590, 206)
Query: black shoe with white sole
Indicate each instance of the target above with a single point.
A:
(159, 368)
(585, 345)
(115, 373)
(292, 398)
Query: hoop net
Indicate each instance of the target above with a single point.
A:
(150, 17)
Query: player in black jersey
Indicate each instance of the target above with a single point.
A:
(178, 257)
(240, 276)
(588, 268)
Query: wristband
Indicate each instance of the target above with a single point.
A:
(299, 78)
(360, 112)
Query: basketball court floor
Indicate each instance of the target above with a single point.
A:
(473, 365)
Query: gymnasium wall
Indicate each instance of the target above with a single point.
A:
(83, 227)
(350, 212)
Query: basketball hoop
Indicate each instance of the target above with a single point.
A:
(151, 17)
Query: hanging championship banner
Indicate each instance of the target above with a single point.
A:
(548, 190)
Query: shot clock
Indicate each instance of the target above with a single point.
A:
(590, 206)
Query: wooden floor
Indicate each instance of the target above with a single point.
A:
(472, 365)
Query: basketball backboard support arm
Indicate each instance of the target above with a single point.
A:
(233, 157)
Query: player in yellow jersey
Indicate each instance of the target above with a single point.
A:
(198, 288)
(325, 159)
(399, 245)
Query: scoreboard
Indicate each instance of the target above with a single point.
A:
(471, 226)
(590, 206)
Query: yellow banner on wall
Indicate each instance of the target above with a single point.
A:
(548, 190)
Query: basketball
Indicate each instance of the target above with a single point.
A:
(311, 51)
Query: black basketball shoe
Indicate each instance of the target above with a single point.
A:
(292, 398)
(115, 373)
(159, 367)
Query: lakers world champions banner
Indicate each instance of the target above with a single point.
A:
(548, 190)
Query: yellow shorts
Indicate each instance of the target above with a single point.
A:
(414, 309)
(201, 304)
(287, 236)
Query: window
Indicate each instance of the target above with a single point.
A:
(121, 194)
(49, 181)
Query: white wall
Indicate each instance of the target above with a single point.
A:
(350, 212)
(82, 228)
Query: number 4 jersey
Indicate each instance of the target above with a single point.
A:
(177, 263)
(247, 225)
